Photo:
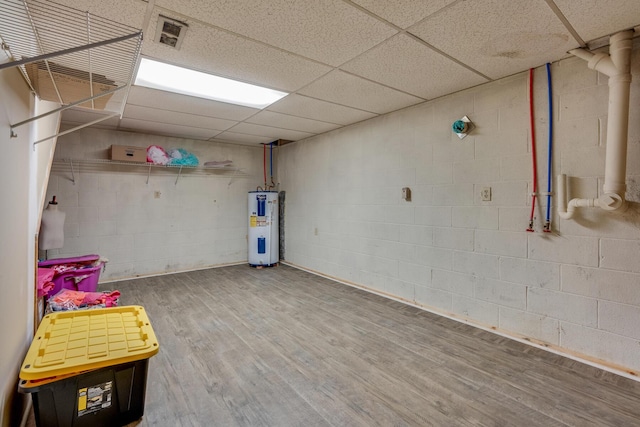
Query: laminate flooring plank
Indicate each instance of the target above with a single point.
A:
(249, 390)
(400, 326)
(372, 350)
(279, 347)
(299, 350)
(541, 379)
(502, 362)
(300, 339)
(340, 344)
(309, 372)
(520, 348)
(351, 361)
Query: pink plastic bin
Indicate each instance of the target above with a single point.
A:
(67, 280)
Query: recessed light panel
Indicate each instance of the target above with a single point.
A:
(171, 78)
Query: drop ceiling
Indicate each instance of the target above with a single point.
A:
(341, 61)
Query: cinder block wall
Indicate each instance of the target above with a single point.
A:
(155, 227)
(577, 288)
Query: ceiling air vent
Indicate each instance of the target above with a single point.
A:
(170, 32)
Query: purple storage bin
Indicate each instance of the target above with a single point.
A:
(81, 279)
(84, 259)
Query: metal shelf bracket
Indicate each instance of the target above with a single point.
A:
(94, 57)
(73, 175)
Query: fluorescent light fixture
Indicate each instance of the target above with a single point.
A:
(162, 76)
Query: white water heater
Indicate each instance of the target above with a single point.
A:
(263, 242)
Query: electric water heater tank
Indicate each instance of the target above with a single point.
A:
(263, 245)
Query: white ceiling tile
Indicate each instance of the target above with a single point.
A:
(188, 104)
(329, 31)
(268, 131)
(593, 19)
(208, 49)
(409, 65)
(242, 138)
(286, 121)
(176, 118)
(498, 37)
(403, 13)
(167, 129)
(346, 89)
(83, 115)
(126, 12)
(303, 106)
(296, 45)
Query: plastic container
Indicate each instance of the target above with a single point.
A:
(89, 368)
(111, 396)
(82, 279)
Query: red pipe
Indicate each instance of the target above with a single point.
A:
(533, 152)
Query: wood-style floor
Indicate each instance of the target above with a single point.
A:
(282, 347)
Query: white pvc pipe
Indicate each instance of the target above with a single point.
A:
(566, 211)
(617, 66)
(618, 116)
(562, 197)
(583, 54)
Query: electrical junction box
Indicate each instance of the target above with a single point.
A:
(406, 194)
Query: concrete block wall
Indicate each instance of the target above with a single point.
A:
(159, 227)
(577, 289)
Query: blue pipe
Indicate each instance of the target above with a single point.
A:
(548, 218)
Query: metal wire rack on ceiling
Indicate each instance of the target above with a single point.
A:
(69, 56)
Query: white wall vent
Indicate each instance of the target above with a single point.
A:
(170, 32)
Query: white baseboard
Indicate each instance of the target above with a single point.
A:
(164, 273)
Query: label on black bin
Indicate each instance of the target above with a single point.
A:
(94, 398)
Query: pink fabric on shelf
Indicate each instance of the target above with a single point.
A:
(63, 268)
(106, 298)
(68, 299)
(157, 155)
(45, 283)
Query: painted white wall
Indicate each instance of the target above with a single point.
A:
(22, 180)
(161, 226)
(16, 308)
(577, 288)
(43, 128)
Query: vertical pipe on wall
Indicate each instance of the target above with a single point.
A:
(271, 163)
(547, 223)
(264, 164)
(618, 115)
(617, 66)
(533, 153)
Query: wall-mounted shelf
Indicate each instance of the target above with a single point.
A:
(69, 56)
(76, 165)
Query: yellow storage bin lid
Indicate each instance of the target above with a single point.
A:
(69, 342)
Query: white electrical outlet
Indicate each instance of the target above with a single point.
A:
(485, 194)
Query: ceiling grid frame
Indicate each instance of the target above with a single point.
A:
(307, 101)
